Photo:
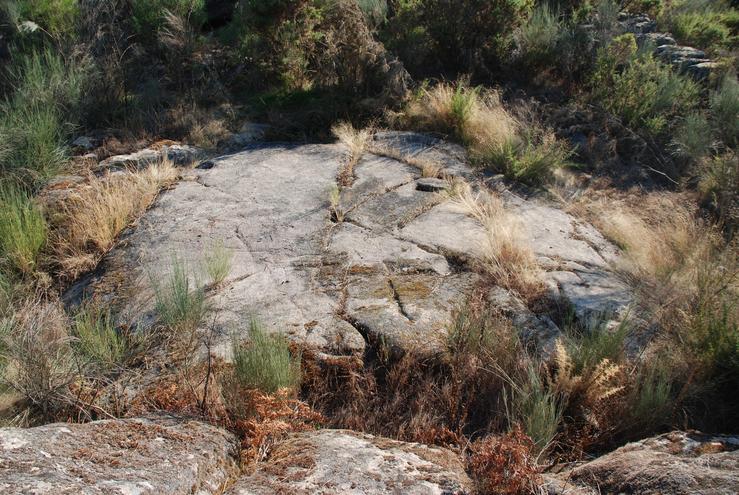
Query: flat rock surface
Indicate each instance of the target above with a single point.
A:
(345, 462)
(677, 463)
(141, 456)
(395, 268)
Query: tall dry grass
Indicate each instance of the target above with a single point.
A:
(514, 143)
(505, 254)
(356, 142)
(87, 222)
(685, 276)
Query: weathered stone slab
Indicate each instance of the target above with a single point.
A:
(134, 456)
(395, 268)
(345, 462)
(677, 463)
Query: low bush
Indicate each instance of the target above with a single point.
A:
(40, 364)
(538, 37)
(504, 464)
(37, 117)
(265, 362)
(725, 110)
(707, 24)
(57, 17)
(719, 189)
(23, 231)
(149, 17)
(644, 92)
(693, 137)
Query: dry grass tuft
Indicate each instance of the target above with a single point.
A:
(513, 143)
(505, 253)
(356, 142)
(87, 221)
(662, 238)
(39, 362)
(428, 168)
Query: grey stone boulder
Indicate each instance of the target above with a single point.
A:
(678, 463)
(178, 154)
(346, 462)
(133, 456)
(396, 267)
(83, 142)
(249, 133)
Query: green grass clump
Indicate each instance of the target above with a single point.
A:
(694, 136)
(536, 407)
(527, 158)
(588, 347)
(265, 362)
(217, 262)
(180, 304)
(57, 17)
(538, 37)
(702, 29)
(23, 231)
(462, 104)
(97, 338)
(38, 116)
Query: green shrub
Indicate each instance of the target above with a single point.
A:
(23, 231)
(719, 189)
(375, 11)
(98, 341)
(588, 347)
(469, 36)
(694, 136)
(538, 37)
(149, 16)
(57, 17)
(701, 29)
(725, 110)
(265, 362)
(645, 93)
(650, 399)
(180, 304)
(40, 113)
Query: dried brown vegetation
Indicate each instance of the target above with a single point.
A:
(87, 221)
(505, 254)
(356, 142)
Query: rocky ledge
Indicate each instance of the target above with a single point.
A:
(175, 456)
(395, 265)
(678, 463)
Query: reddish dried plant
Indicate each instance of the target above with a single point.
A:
(504, 464)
